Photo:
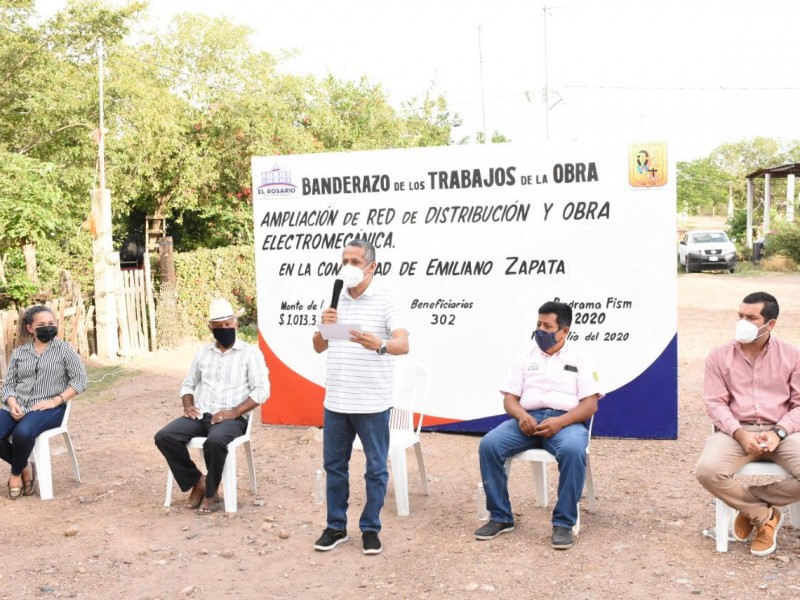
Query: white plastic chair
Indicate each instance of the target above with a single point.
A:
(409, 394)
(229, 470)
(539, 459)
(726, 514)
(41, 456)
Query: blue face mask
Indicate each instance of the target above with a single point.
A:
(545, 340)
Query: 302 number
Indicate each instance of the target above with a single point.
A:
(443, 319)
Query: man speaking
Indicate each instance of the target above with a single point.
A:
(358, 392)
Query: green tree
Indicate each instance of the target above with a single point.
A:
(29, 207)
(48, 111)
(701, 184)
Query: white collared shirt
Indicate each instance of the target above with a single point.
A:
(222, 380)
(557, 381)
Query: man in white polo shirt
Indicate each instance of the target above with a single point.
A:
(358, 393)
(551, 391)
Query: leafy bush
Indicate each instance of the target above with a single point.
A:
(205, 274)
(20, 289)
(785, 241)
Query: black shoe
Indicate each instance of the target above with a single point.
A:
(562, 538)
(492, 529)
(330, 538)
(372, 544)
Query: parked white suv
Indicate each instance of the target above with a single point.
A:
(706, 249)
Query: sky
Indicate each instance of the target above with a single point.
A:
(694, 73)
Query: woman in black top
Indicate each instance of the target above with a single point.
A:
(43, 375)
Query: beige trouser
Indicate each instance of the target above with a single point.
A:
(722, 456)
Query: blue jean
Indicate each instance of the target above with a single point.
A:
(506, 440)
(24, 433)
(340, 430)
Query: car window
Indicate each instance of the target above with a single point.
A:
(716, 237)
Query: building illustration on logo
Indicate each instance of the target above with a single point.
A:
(647, 164)
(276, 182)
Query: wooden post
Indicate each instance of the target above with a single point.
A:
(167, 261)
(106, 269)
(151, 305)
(29, 252)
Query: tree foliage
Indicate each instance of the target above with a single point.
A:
(706, 182)
(185, 110)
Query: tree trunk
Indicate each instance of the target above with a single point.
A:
(29, 251)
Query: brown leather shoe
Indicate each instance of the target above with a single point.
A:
(742, 527)
(766, 539)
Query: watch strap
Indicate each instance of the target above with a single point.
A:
(780, 432)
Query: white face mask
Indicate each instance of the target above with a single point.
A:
(351, 276)
(747, 332)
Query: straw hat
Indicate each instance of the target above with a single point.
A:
(221, 309)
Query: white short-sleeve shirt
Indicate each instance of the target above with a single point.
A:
(360, 380)
(557, 381)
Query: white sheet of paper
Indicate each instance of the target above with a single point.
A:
(338, 331)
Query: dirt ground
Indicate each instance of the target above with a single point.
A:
(111, 537)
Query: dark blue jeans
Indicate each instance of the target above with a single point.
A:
(337, 447)
(506, 440)
(24, 433)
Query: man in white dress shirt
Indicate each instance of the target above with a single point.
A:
(227, 379)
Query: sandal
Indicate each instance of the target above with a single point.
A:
(14, 492)
(29, 486)
(212, 507)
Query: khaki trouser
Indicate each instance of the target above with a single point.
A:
(722, 456)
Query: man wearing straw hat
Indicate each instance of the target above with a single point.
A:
(227, 379)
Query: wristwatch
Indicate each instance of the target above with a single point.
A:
(781, 433)
(382, 349)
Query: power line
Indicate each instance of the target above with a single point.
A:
(721, 88)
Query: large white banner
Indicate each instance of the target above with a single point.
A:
(472, 240)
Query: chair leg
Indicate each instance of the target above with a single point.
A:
(576, 529)
(229, 481)
(794, 513)
(722, 525)
(540, 482)
(72, 455)
(248, 452)
(44, 470)
(397, 456)
(168, 495)
(589, 487)
(423, 477)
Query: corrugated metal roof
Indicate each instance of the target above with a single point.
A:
(782, 171)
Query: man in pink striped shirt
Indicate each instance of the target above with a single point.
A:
(752, 394)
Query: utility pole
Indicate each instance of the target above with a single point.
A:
(105, 260)
(483, 101)
(547, 108)
(546, 85)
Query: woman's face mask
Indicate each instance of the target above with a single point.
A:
(45, 333)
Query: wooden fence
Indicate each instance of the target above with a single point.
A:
(75, 325)
(136, 317)
(136, 311)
